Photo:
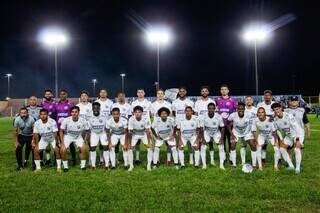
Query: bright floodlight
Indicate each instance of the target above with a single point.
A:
(256, 33)
(122, 74)
(159, 35)
(8, 75)
(94, 81)
(53, 37)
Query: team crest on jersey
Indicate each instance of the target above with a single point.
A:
(87, 110)
(168, 126)
(267, 126)
(50, 107)
(78, 126)
(228, 103)
(48, 128)
(285, 123)
(66, 107)
(192, 124)
(214, 123)
(141, 126)
(100, 121)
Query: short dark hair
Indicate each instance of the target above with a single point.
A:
(48, 90)
(136, 108)
(140, 89)
(241, 104)
(84, 92)
(103, 88)
(188, 107)
(96, 104)
(224, 85)
(205, 87)
(275, 105)
(261, 108)
(121, 93)
(267, 92)
(160, 90)
(165, 109)
(182, 87)
(63, 90)
(44, 110)
(75, 107)
(115, 109)
(23, 108)
(211, 104)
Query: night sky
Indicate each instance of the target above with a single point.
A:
(207, 49)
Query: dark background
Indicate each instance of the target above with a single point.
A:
(207, 48)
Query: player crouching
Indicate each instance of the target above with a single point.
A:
(117, 130)
(163, 128)
(139, 129)
(73, 130)
(45, 134)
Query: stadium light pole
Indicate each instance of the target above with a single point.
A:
(122, 75)
(54, 38)
(158, 37)
(94, 82)
(8, 75)
(256, 35)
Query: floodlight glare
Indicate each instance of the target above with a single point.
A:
(159, 36)
(8, 75)
(53, 37)
(256, 34)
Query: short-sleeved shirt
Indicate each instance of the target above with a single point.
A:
(97, 123)
(46, 130)
(25, 126)
(288, 125)
(265, 128)
(188, 128)
(201, 106)
(138, 127)
(105, 107)
(212, 125)
(85, 110)
(117, 128)
(63, 110)
(299, 114)
(179, 107)
(34, 111)
(145, 104)
(252, 111)
(226, 106)
(125, 109)
(51, 107)
(240, 126)
(267, 108)
(164, 128)
(74, 129)
(155, 106)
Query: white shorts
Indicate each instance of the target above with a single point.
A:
(191, 140)
(246, 137)
(68, 140)
(169, 142)
(264, 140)
(216, 137)
(291, 141)
(43, 144)
(116, 138)
(95, 138)
(135, 138)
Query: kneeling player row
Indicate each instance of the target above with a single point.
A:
(192, 130)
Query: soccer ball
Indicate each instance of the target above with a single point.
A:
(247, 168)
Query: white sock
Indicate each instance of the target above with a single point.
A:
(196, 157)
(263, 154)
(65, 164)
(181, 157)
(101, 155)
(277, 156)
(37, 162)
(191, 158)
(203, 151)
(82, 164)
(286, 156)
(222, 154)
(211, 156)
(168, 156)
(130, 157)
(254, 158)
(150, 156)
(233, 155)
(93, 157)
(125, 157)
(174, 154)
(259, 156)
(106, 157)
(156, 154)
(113, 157)
(137, 154)
(48, 155)
(243, 155)
(298, 155)
(58, 163)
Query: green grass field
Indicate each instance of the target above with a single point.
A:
(162, 190)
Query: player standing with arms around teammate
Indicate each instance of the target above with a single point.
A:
(33, 107)
(179, 105)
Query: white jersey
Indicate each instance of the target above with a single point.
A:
(299, 114)
(125, 109)
(46, 130)
(212, 125)
(288, 125)
(267, 108)
(252, 111)
(138, 127)
(179, 107)
(97, 123)
(164, 128)
(117, 128)
(85, 110)
(265, 128)
(145, 104)
(188, 128)
(74, 129)
(155, 106)
(105, 107)
(201, 106)
(240, 126)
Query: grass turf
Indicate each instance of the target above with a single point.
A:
(164, 189)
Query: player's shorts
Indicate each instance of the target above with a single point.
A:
(116, 138)
(169, 142)
(246, 137)
(265, 140)
(136, 138)
(191, 140)
(43, 144)
(216, 137)
(290, 141)
(68, 140)
(95, 138)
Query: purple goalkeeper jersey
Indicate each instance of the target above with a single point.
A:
(63, 110)
(51, 107)
(226, 106)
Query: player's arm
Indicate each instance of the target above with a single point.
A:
(306, 125)
(222, 130)
(15, 133)
(61, 136)
(109, 137)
